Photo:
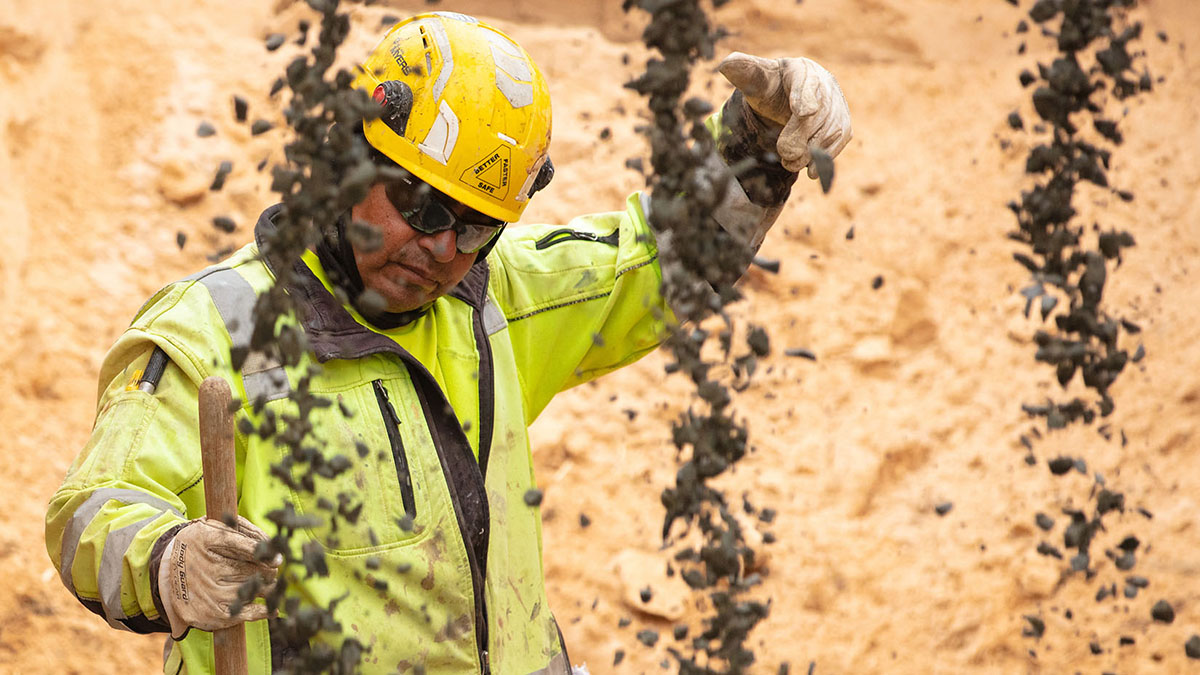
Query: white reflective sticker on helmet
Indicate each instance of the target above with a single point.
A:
(442, 136)
(457, 17)
(447, 54)
(513, 73)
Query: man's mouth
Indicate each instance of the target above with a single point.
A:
(416, 277)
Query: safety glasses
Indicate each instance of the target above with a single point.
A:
(429, 211)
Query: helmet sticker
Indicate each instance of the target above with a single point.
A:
(447, 54)
(490, 174)
(458, 17)
(442, 136)
(513, 74)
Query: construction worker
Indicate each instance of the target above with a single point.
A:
(442, 572)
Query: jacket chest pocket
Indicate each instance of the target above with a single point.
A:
(374, 491)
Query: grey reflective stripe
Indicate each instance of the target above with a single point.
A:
(87, 511)
(264, 378)
(234, 298)
(112, 568)
(557, 666)
(493, 318)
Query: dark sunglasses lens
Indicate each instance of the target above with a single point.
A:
(434, 217)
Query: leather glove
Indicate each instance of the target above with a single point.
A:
(201, 570)
(801, 96)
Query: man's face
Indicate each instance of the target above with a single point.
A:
(410, 269)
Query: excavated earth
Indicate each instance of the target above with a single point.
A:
(922, 355)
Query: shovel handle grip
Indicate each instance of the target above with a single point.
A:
(220, 501)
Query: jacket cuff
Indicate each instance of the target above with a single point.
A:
(747, 143)
(156, 554)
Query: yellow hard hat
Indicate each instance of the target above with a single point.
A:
(465, 109)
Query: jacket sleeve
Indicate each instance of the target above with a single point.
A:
(584, 299)
(137, 477)
(580, 300)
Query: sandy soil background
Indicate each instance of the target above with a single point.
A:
(913, 400)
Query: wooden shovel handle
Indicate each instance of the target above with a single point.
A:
(220, 499)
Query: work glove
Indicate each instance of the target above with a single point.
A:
(202, 568)
(799, 95)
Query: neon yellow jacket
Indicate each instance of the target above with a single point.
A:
(444, 568)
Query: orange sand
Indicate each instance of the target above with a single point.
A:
(913, 401)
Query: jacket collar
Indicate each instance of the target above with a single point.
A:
(332, 332)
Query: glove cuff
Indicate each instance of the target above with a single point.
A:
(157, 554)
(748, 143)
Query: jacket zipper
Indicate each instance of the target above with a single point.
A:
(564, 235)
(392, 422)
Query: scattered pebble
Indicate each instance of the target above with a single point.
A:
(205, 130)
(1163, 612)
(648, 637)
(222, 173)
(533, 497)
(943, 508)
(240, 108)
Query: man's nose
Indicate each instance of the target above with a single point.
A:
(441, 245)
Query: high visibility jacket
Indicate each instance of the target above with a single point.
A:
(443, 568)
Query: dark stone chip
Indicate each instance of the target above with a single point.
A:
(275, 41)
(618, 657)
(240, 108)
(1061, 465)
(1015, 121)
(800, 352)
(1162, 612)
(1131, 591)
(584, 521)
(1126, 561)
(623, 622)
(877, 282)
(943, 508)
(681, 631)
(1129, 544)
(1036, 627)
(1192, 647)
(767, 515)
(850, 233)
(646, 594)
(180, 239)
(1095, 647)
(533, 497)
(224, 224)
(1080, 562)
(648, 637)
(222, 173)
(205, 130)
(1044, 521)
(1126, 640)
(1140, 582)
(260, 127)
(1048, 550)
